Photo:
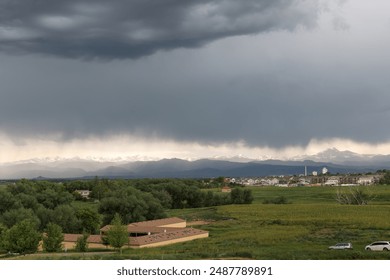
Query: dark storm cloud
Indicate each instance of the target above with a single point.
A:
(190, 102)
(279, 88)
(135, 28)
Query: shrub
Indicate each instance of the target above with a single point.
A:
(239, 196)
(277, 200)
(353, 196)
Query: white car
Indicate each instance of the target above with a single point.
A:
(379, 246)
(341, 246)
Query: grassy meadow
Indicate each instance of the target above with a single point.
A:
(303, 228)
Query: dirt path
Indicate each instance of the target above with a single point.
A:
(57, 255)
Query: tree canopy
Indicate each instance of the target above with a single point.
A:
(39, 205)
(22, 238)
(52, 240)
(117, 234)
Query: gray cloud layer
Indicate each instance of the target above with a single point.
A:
(279, 88)
(130, 29)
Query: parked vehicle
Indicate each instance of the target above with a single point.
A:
(341, 246)
(378, 246)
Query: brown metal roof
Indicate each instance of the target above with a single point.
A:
(158, 234)
(144, 229)
(161, 237)
(149, 226)
(159, 222)
(69, 237)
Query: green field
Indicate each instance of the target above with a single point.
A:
(303, 228)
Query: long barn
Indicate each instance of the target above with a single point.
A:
(145, 234)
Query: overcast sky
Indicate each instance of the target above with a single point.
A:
(192, 79)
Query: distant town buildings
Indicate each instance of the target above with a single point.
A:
(311, 180)
(366, 180)
(332, 181)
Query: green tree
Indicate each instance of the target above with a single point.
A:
(105, 240)
(28, 201)
(22, 238)
(131, 204)
(385, 180)
(52, 241)
(248, 197)
(89, 218)
(22, 186)
(15, 216)
(154, 207)
(52, 196)
(117, 234)
(3, 230)
(82, 243)
(7, 201)
(219, 181)
(100, 188)
(65, 216)
(164, 197)
(239, 196)
(45, 216)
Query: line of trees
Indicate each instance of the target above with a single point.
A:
(34, 211)
(148, 199)
(45, 203)
(385, 180)
(145, 199)
(31, 211)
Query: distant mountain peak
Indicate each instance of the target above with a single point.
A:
(335, 155)
(333, 152)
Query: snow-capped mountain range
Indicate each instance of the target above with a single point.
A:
(238, 166)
